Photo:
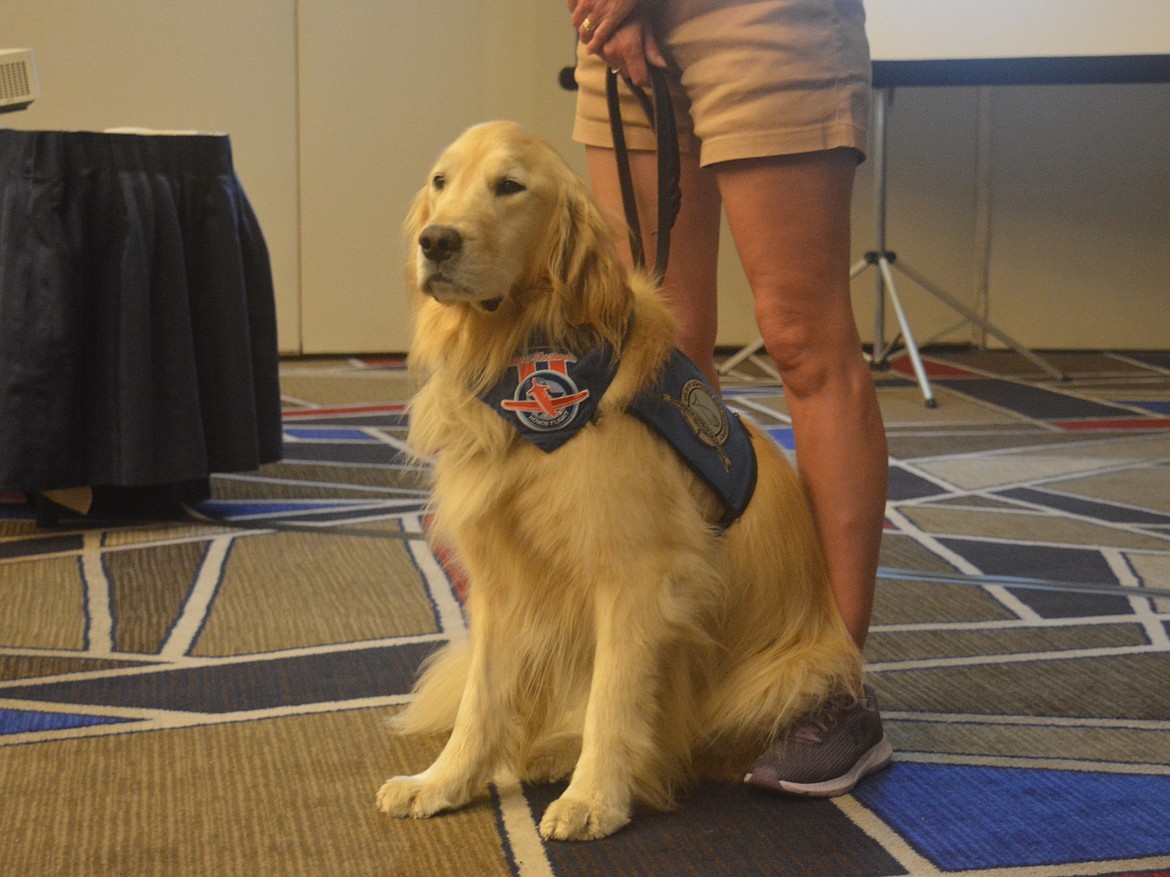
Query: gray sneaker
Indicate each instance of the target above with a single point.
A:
(824, 755)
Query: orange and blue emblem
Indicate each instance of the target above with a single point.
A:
(546, 399)
(550, 395)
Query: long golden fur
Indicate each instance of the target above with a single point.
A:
(616, 634)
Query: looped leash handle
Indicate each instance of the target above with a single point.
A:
(660, 114)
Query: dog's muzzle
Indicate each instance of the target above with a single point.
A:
(439, 244)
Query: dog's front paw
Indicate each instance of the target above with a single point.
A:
(570, 818)
(412, 797)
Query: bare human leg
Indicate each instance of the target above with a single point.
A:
(789, 217)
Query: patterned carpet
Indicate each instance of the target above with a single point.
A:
(208, 695)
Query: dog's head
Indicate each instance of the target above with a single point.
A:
(505, 231)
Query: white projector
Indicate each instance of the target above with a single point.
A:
(18, 79)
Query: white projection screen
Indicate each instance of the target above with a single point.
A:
(989, 41)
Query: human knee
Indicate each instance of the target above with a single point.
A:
(810, 351)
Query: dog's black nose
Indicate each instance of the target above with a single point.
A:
(440, 242)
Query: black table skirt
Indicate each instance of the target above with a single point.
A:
(137, 320)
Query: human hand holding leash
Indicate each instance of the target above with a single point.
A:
(616, 31)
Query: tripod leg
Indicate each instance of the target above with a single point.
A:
(740, 355)
(907, 335)
(975, 318)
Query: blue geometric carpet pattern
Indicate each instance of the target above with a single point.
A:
(208, 694)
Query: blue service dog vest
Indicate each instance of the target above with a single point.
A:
(549, 396)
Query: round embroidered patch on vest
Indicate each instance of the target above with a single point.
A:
(550, 396)
(705, 416)
(546, 400)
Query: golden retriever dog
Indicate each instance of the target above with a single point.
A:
(618, 635)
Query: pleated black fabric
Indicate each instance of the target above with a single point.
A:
(137, 321)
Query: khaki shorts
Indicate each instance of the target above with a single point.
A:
(749, 79)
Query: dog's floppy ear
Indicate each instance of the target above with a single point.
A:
(584, 263)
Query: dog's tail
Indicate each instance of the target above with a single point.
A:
(779, 684)
(437, 692)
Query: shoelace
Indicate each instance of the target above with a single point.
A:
(815, 728)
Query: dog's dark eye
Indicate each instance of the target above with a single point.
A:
(438, 181)
(508, 186)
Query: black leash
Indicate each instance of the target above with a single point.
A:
(660, 113)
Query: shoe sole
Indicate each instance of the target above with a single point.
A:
(873, 760)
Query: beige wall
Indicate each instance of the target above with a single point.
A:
(337, 107)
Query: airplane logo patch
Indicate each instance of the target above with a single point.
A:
(550, 395)
(546, 399)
